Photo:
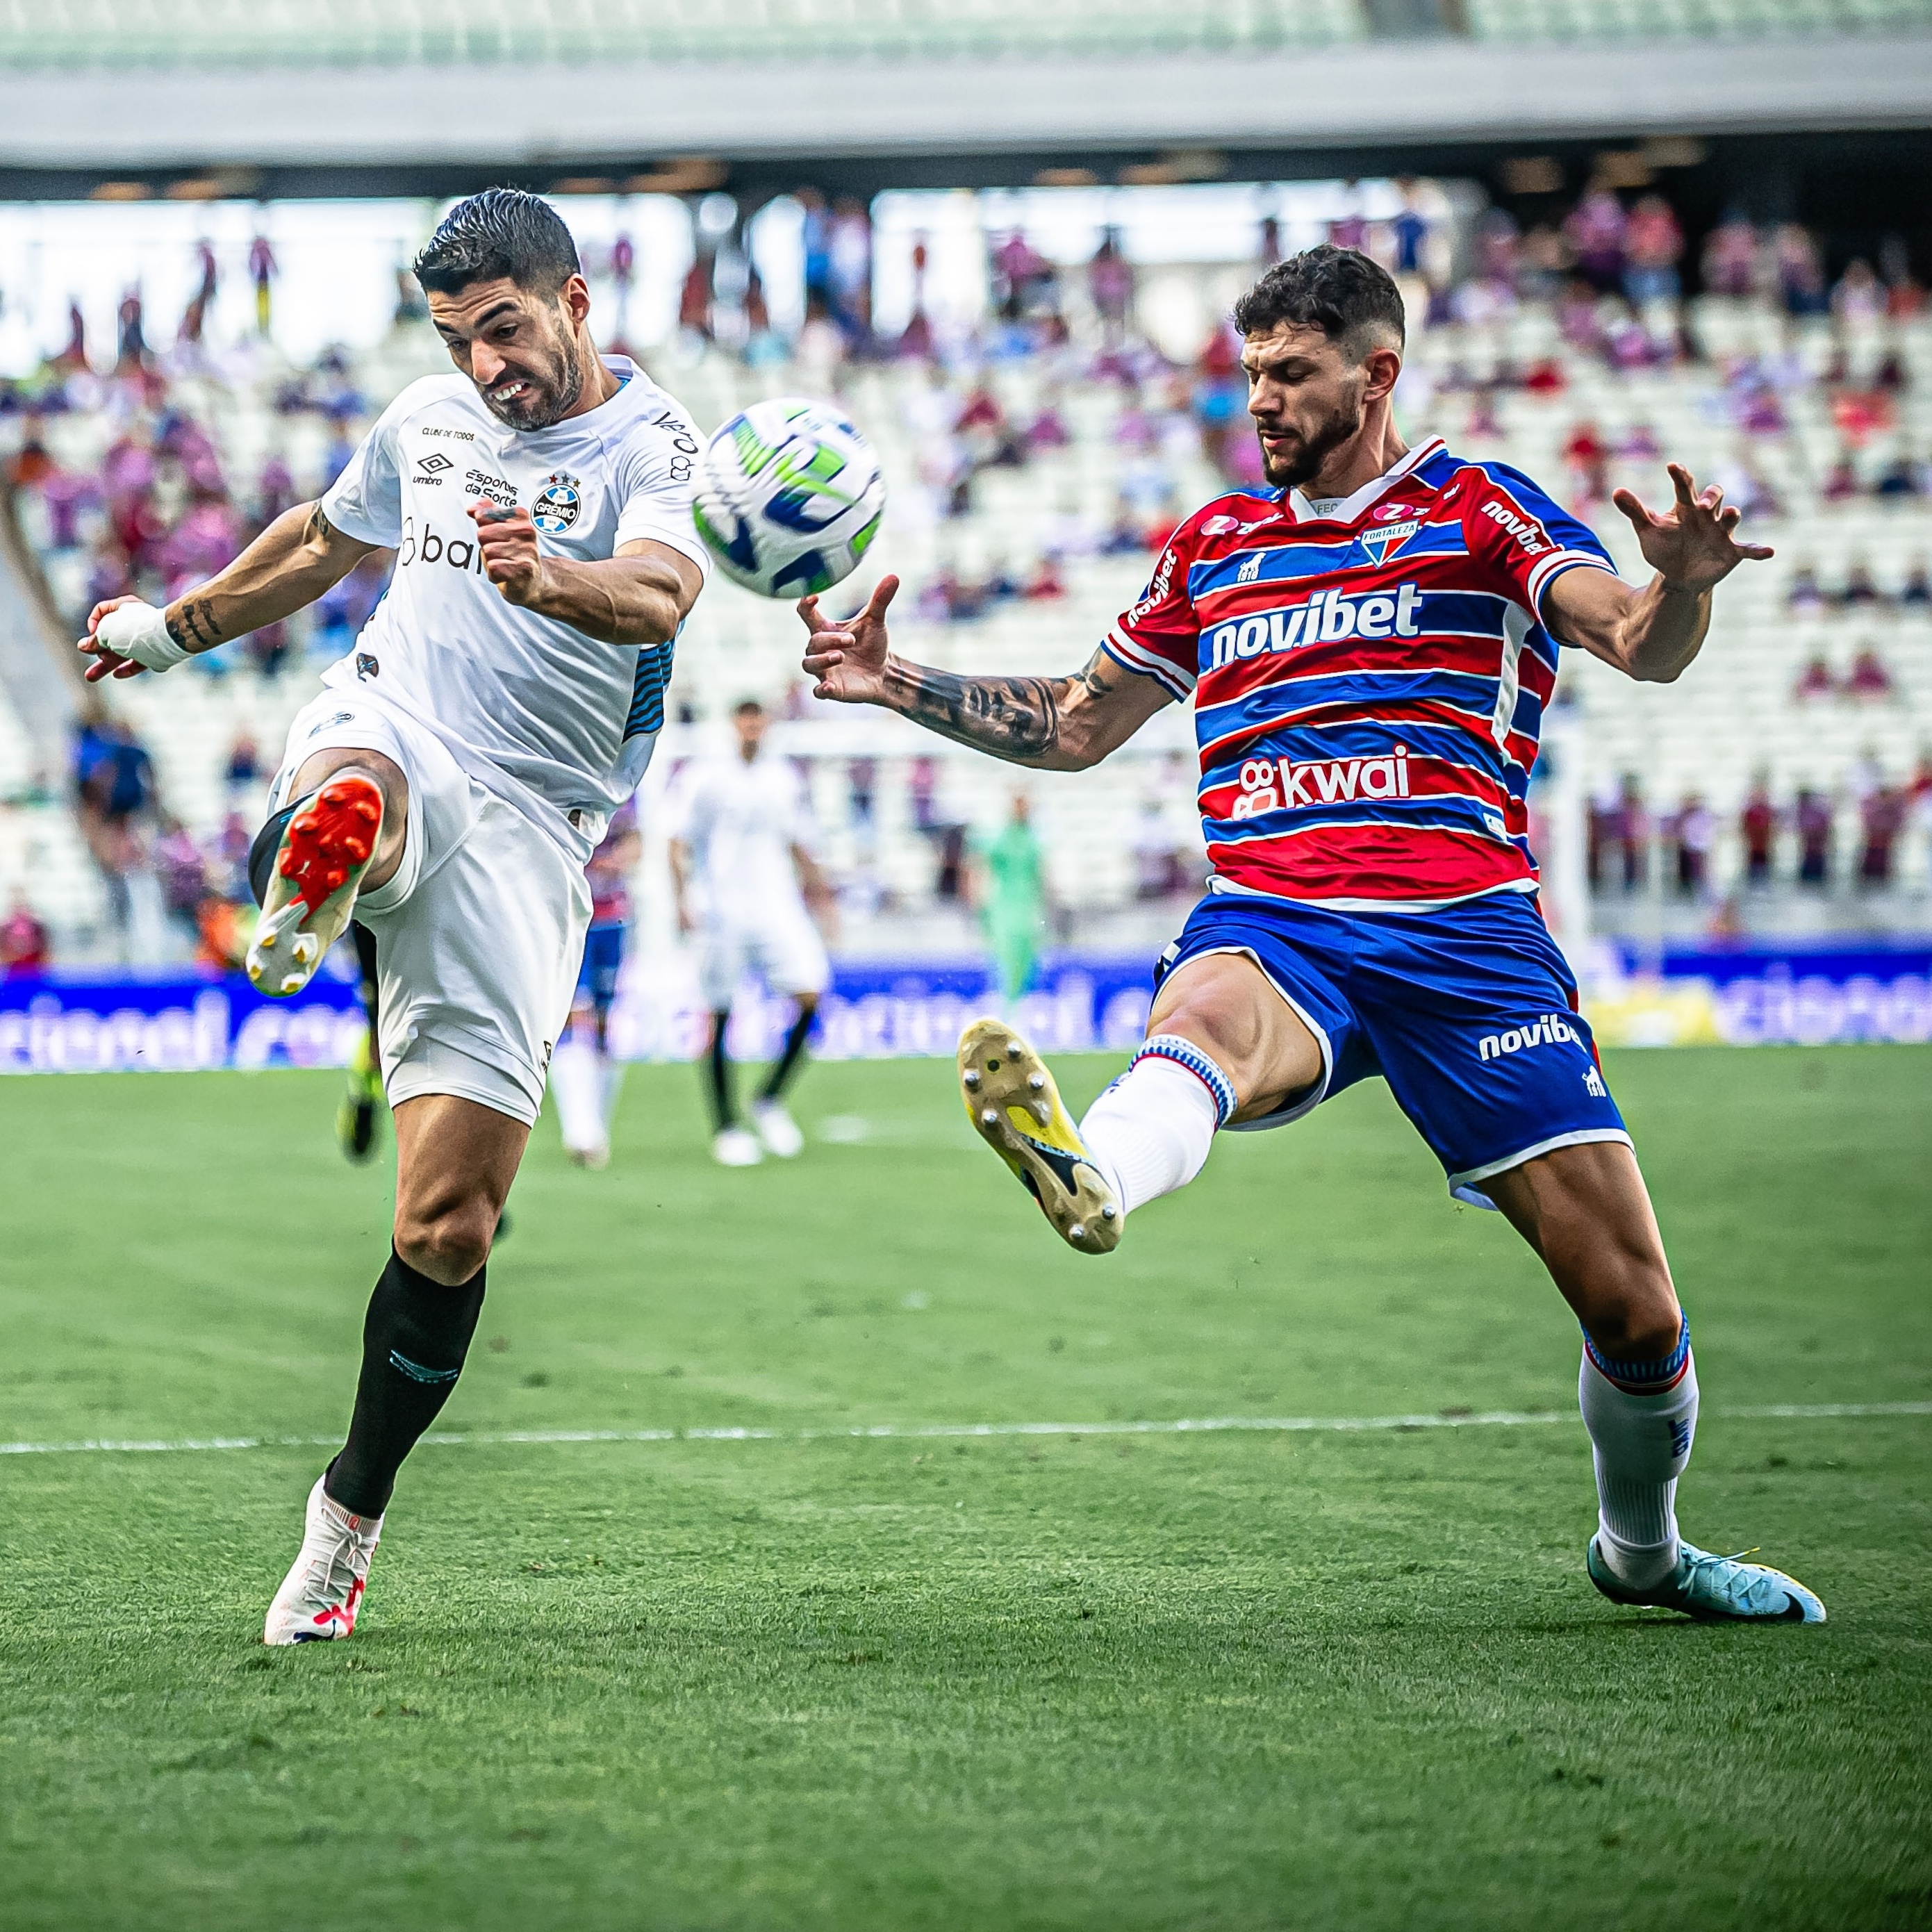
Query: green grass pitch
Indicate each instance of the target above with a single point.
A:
(1236, 1681)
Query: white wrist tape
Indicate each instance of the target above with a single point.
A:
(139, 631)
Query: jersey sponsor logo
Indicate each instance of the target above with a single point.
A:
(1392, 513)
(1530, 535)
(1327, 618)
(1551, 1030)
(1280, 784)
(559, 504)
(498, 490)
(432, 547)
(1156, 589)
(454, 435)
(1233, 526)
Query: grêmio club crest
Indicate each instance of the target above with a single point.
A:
(558, 503)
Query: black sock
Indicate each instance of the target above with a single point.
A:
(786, 1063)
(414, 1338)
(723, 1107)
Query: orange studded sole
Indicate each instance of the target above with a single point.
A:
(332, 837)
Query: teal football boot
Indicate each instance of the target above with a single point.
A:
(1715, 1587)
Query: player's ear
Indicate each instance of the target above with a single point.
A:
(1383, 364)
(575, 297)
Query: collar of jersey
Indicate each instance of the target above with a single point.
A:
(1352, 507)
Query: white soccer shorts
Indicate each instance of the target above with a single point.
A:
(480, 934)
(781, 947)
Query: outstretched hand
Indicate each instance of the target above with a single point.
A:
(1691, 545)
(849, 660)
(107, 663)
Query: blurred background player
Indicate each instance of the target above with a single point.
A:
(745, 874)
(584, 1078)
(363, 1101)
(1009, 886)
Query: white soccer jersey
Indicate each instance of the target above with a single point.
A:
(570, 720)
(740, 822)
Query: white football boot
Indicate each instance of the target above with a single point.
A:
(736, 1146)
(777, 1129)
(320, 1598)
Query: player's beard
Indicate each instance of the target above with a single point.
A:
(549, 396)
(1314, 448)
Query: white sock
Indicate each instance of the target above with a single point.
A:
(577, 1084)
(1150, 1132)
(1642, 1416)
(611, 1075)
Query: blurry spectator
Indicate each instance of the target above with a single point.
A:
(1110, 285)
(1629, 834)
(849, 247)
(1543, 259)
(1123, 534)
(244, 762)
(1596, 228)
(131, 336)
(1868, 679)
(114, 786)
(1729, 265)
(1757, 830)
(1409, 232)
(1916, 593)
(274, 489)
(1811, 817)
(1800, 273)
(1024, 283)
(1860, 590)
(1653, 246)
(1815, 681)
(1691, 830)
(1576, 320)
(1638, 441)
(1881, 818)
(262, 272)
(1588, 456)
(1841, 480)
(183, 877)
(1859, 296)
(25, 946)
(1045, 584)
(861, 787)
(1900, 479)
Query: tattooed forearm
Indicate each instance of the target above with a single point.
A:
(1093, 677)
(1013, 718)
(193, 627)
(318, 529)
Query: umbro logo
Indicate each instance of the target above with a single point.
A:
(435, 462)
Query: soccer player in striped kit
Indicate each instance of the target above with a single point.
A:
(1369, 644)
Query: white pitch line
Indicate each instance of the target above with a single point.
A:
(1497, 1418)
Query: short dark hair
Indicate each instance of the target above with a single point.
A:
(501, 234)
(1338, 291)
(746, 706)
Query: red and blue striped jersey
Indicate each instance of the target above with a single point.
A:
(1369, 681)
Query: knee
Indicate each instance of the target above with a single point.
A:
(448, 1242)
(1631, 1309)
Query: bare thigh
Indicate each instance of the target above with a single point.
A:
(1225, 1004)
(455, 1160)
(1586, 1212)
(316, 770)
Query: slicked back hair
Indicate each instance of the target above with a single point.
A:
(501, 234)
(1340, 291)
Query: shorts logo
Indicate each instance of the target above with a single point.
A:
(1593, 1083)
(559, 504)
(1551, 1030)
(1269, 785)
(366, 667)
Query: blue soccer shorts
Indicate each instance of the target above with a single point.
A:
(1468, 1013)
(603, 957)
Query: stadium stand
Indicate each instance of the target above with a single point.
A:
(1033, 475)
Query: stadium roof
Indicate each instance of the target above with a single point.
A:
(329, 95)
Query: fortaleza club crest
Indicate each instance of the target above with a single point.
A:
(557, 503)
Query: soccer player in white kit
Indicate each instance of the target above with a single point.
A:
(744, 868)
(457, 771)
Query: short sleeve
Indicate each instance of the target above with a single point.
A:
(1160, 636)
(654, 487)
(366, 501)
(1521, 540)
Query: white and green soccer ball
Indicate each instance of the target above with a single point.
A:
(789, 497)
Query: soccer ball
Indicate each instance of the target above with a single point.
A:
(789, 497)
